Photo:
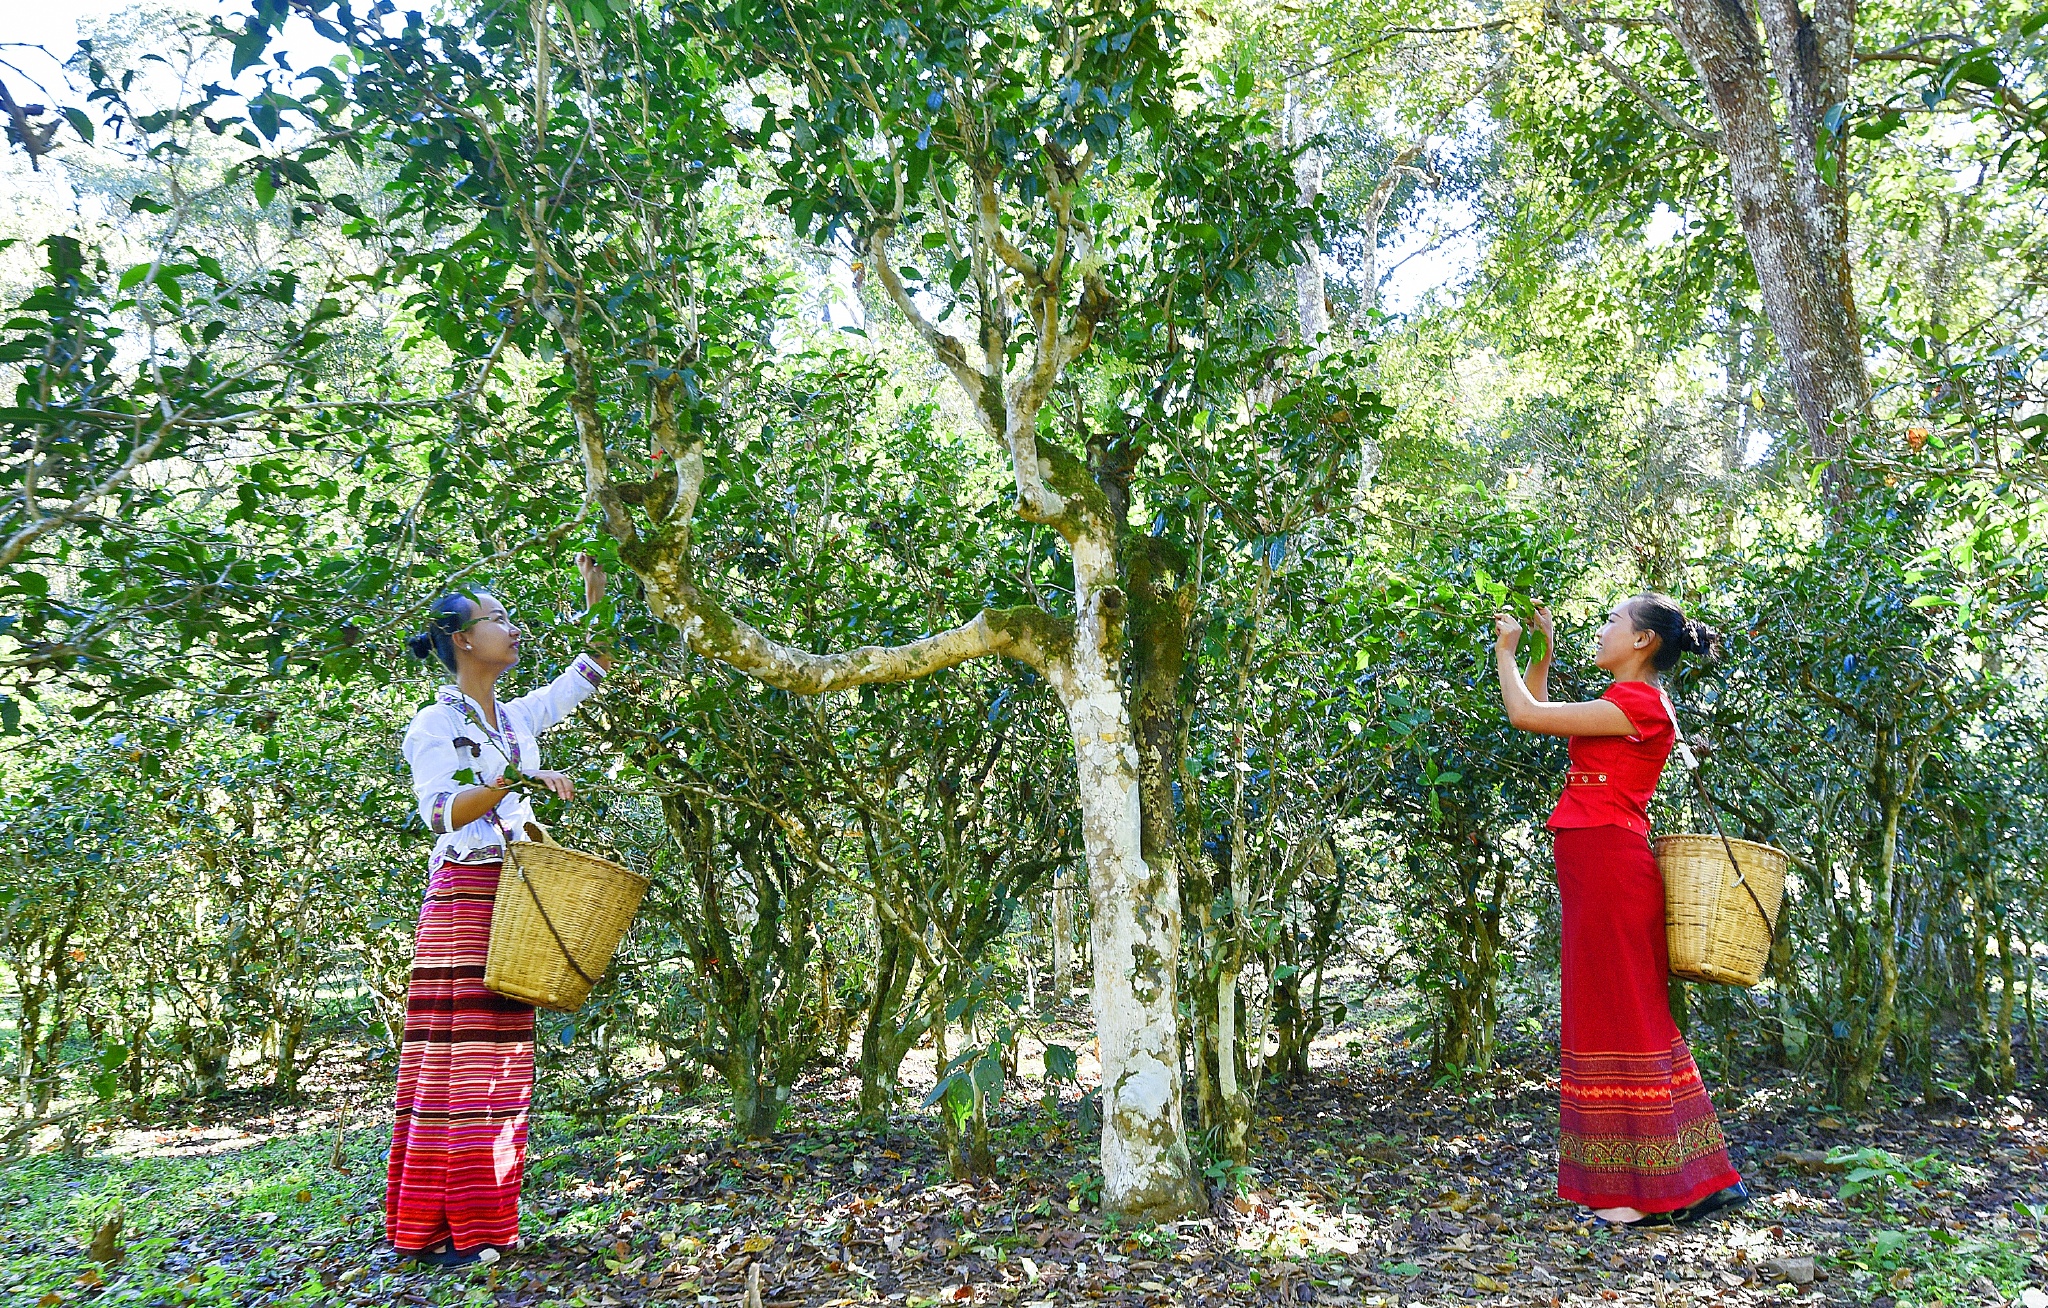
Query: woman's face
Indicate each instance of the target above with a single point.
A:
(1619, 641)
(492, 639)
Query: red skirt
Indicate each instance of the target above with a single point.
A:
(465, 1078)
(1636, 1128)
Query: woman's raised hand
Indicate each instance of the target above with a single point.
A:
(1507, 632)
(593, 579)
(1548, 627)
(558, 782)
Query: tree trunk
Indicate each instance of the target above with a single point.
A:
(30, 1036)
(885, 1038)
(755, 1105)
(1135, 908)
(284, 1077)
(1877, 1034)
(2008, 1073)
(1062, 934)
(1796, 241)
(1202, 976)
(1311, 303)
(1230, 1094)
(2034, 1045)
(1030, 960)
(207, 1055)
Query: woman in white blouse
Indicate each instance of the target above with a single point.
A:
(465, 1071)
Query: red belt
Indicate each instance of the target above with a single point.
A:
(1585, 778)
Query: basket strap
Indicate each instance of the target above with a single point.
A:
(1699, 781)
(541, 908)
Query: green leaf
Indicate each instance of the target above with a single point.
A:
(988, 1075)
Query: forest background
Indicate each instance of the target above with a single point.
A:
(1043, 562)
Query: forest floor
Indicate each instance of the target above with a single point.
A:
(1374, 1187)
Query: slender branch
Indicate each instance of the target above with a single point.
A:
(944, 344)
(1905, 47)
(988, 211)
(43, 525)
(1665, 111)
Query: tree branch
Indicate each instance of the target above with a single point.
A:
(945, 345)
(1029, 635)
(1666, 112)
(1904, 50)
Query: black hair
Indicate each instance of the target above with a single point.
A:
(1676, 633)
(450, 614)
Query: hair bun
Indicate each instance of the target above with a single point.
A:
(420, 644)
(1700, 638)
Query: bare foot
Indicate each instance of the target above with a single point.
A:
(1619, 1216)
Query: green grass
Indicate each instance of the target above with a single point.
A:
(218, 1228)
(1930, 1265)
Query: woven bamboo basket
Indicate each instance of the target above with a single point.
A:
(1717, 932)
(558, 918)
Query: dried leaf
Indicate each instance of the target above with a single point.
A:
(106, 1241)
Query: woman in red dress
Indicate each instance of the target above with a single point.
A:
(1637, 1138)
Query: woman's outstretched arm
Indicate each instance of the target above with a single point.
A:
(1526, 712)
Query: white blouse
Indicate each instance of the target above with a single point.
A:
(452, 735)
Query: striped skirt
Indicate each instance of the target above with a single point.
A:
(465, 1078)
(1636, 1129)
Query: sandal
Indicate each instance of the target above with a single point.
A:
(447, 1258)
(1647, 1219)
(1721, 1201)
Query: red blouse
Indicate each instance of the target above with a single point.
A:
(1612, 777)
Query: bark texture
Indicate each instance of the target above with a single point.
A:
(1794, 217)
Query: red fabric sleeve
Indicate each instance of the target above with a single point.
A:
(1643, 704)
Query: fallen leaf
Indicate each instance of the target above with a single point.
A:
(106, 1241)
(1489, 1283)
